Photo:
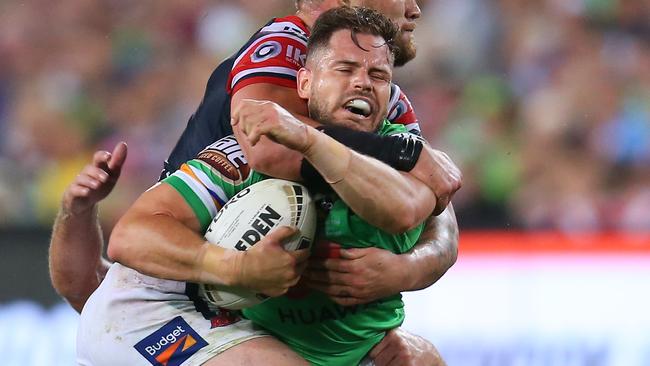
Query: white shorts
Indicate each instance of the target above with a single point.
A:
(133, 319)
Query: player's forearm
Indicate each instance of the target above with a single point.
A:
(267, 157)
(270, 158)
(76, 266)
(160, 246)
(435, 253)
(384, 197)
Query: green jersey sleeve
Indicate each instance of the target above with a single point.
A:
(207, 182)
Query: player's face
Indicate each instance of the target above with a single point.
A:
(346, 85)
(404, 13)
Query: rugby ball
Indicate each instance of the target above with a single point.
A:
(247, 217)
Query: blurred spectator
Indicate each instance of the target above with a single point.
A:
(544, 104)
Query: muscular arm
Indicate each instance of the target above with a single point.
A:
(159, 236)
(75, 257)
(435, 253)
(370, 187)
(366, 274)
(266, 156)
(390, 200)
(158, 241)
(76, 264)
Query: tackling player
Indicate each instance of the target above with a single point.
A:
(253, 73)
(133, 317)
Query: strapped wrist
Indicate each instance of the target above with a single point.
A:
(217, 265)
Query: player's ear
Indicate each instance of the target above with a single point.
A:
(304, 83)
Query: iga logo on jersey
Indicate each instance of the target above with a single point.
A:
(172, 344)
(266, 51)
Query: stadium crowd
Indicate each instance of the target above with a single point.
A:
(543, 104)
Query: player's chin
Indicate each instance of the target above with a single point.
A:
(355, 121)
(406, 49)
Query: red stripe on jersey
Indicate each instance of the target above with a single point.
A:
(288, 83)
(402, 112)
(406, 114)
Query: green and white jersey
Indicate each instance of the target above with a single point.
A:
(308, 321)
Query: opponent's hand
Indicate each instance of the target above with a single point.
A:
(401, 348)
(257, 118)
(357, 276)
(435, 169)
(95, 181)
(270, 269)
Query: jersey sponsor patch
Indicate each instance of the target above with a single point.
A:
(270, 59)
(265, 51)
(172, 344)
(226, 157)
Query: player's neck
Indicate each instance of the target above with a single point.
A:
(308, 16)
(310, 12)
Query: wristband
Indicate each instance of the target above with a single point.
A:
(398, 151)
(312, 178)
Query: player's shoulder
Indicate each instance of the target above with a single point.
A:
(283, 32)
(400, 110)
(273, 55)
(291, 25)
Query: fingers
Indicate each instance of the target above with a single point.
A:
(333, 291)
(375, 351)
(88, 181)
(100, 159)
(117, 159)
(300, 268)
(255, 133)
(90, 172)
(351, 253)
(381, 354)
(324, 276)
(244, 109)
(111, 162)
(301, 256)
(78, 191)
(281, 234)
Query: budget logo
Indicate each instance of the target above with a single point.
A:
(172, 344)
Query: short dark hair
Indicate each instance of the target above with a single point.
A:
(358, 20)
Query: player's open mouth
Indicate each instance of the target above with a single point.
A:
(359, 107)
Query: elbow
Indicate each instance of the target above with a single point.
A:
(414, 208)
(403, 218)
(449, 248)
(452, 253)
(73, 288)
(119, 243)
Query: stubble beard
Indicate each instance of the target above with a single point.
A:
(406, 51)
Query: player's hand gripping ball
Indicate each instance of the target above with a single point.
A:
(248, 217)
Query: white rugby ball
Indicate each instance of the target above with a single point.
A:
(249, 216)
